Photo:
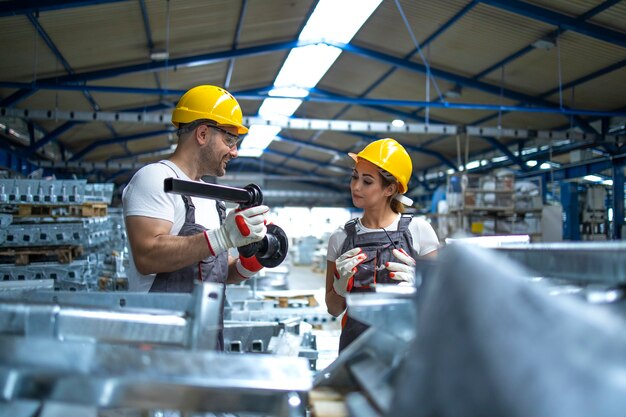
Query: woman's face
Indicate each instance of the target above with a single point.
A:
(367, 186)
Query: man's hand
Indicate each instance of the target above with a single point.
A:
(240, 228)
(345, 267)
(404, 270)
(247, 267)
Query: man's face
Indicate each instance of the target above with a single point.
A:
(219, 149)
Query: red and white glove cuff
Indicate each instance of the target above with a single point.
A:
(247, 267)
(215, 241)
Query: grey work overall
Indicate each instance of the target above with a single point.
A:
(378, 246)
(210, 269)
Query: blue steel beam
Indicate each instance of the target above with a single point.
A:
(554, 34)
(327, 98)
(57, 53)
(590, 13)
(202, 59)
(446, 75)
(424, 44)
(52, 136)
(118, 140)
(146, 24)
(405, 115)
(580, 170)
(19, 7)
(560, 20)
(293, 156)
(149, 41)
(496, 144)
(231, 63)
(195, 60)
(260, 94)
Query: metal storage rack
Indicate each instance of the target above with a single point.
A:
(477, 203)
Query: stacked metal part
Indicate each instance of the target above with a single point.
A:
(250, 320)
(69, 353)
(58, 230)
(535, 329)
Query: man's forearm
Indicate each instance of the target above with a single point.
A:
(168, 253)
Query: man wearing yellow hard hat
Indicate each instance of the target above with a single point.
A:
(381, 246)
(177, 240)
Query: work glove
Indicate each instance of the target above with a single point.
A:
(345, 268)
(404, 270)
(241, 227)
(247, 267)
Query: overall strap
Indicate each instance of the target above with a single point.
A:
(350, 228)
(405, 221)
(186, 200)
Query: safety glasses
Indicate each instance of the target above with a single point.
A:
(229, 139)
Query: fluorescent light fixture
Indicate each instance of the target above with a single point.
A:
(531, 163)
(608, 182)
(454, 92)
(338, 20)
(305, 66)
(472, 165)
(450, 171)
(500, 159)
(610, 214)
(159, 55)
(257, 139)
(332, 20)
(592, 178)
(484, 162)
(397, 123)
(544, 43)
(545, 165)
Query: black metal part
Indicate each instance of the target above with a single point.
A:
(249, 196)
(272, 249)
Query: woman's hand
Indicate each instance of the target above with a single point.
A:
(404, 270)
(345, 268)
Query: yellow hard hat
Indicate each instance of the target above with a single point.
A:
(209, 102)
(389, 155)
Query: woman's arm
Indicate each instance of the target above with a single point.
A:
(335, 303)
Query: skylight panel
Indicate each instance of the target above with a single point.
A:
(332, 20)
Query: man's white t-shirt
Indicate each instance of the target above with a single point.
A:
(423, 235)
(144, 196)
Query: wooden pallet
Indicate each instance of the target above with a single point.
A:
(286, 298)
(327, 402)
(112, 284)
(65, 210)
(28, 255)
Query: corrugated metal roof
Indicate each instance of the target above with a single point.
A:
(470, 38)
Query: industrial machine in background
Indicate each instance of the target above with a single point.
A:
(586, 214)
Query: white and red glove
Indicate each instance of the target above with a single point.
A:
(404, 270)
(240, 228)
(247, 267)
(345, 268)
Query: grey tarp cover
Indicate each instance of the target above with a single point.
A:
(491, 343)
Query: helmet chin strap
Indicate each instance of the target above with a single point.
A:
(404, 200)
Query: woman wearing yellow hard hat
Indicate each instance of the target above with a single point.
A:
(381, 246)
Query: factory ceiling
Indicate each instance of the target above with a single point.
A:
(88, 86)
